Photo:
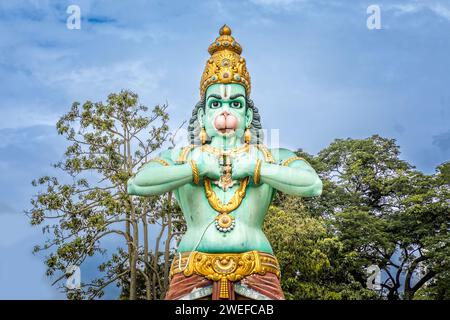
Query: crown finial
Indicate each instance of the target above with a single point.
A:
(225, 30)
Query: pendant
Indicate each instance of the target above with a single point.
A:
(225, 181)
(225, 222)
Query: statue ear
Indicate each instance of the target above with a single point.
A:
(201, 116)
(248, 117)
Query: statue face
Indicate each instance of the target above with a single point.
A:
(225, 113)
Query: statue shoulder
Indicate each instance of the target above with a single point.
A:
(280, 154)
(287, 157)
(169, 155)
(166, 158)
(178, 155)
(181, 155)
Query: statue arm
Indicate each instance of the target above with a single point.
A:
(291, 175)
(160, 175)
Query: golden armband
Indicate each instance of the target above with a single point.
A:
(288, 161)
(196, 177)
(257, 173)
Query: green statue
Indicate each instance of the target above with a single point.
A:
(224, 182)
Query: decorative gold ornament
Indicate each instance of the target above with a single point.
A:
(232, 204)
(161, 161)
(220, 152)
(196, 177)
(257, 173)
(225, 180)
(225, 267)
(225, 222)
(266, 153)
(226, 64)
(288, 161)
(203, 136)
(247, 136)
(184, 153)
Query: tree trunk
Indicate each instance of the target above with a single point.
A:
(156, 258)
(132, 247)
(148, 286)
(410, 291)
(167, 246)
(134, 255)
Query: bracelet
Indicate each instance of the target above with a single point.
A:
(257, 173)
(288, 161)
(161, 161)
(194, 167)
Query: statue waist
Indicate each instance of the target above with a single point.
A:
(224, 266)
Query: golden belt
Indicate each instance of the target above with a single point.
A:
(224, 267)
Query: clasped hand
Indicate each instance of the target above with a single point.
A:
(242, 165)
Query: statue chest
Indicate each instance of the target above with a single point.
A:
(200, 205)
(205, 233)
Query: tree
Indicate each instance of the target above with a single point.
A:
(154, 282)
(313, 261)
(429, 211)
(107, 143)
(387, 212)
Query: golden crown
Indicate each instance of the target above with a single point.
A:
(226, 64)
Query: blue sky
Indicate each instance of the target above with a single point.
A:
(317, 74)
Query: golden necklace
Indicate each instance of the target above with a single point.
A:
(224, 221)
(232, 204)
(219, 152)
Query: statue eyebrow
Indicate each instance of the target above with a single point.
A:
(234, 96)
(215, 96)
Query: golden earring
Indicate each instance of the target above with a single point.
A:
(203, 136)
(247, 136)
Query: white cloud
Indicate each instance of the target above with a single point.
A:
(95, 82)
(279, 4)
(417, 6)
(398, 7)
(404, 8)
(276, 2)
(296, 4)
(441, 10)
(21, 116)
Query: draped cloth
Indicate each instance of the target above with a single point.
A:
(255, 286)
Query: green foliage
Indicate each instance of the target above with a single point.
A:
(385, 211)
(107, 143)
(313, 262)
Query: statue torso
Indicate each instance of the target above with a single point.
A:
(202, 234)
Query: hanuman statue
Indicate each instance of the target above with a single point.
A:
(224, 182)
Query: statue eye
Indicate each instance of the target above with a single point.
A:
(215, 104)
(236, 104)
